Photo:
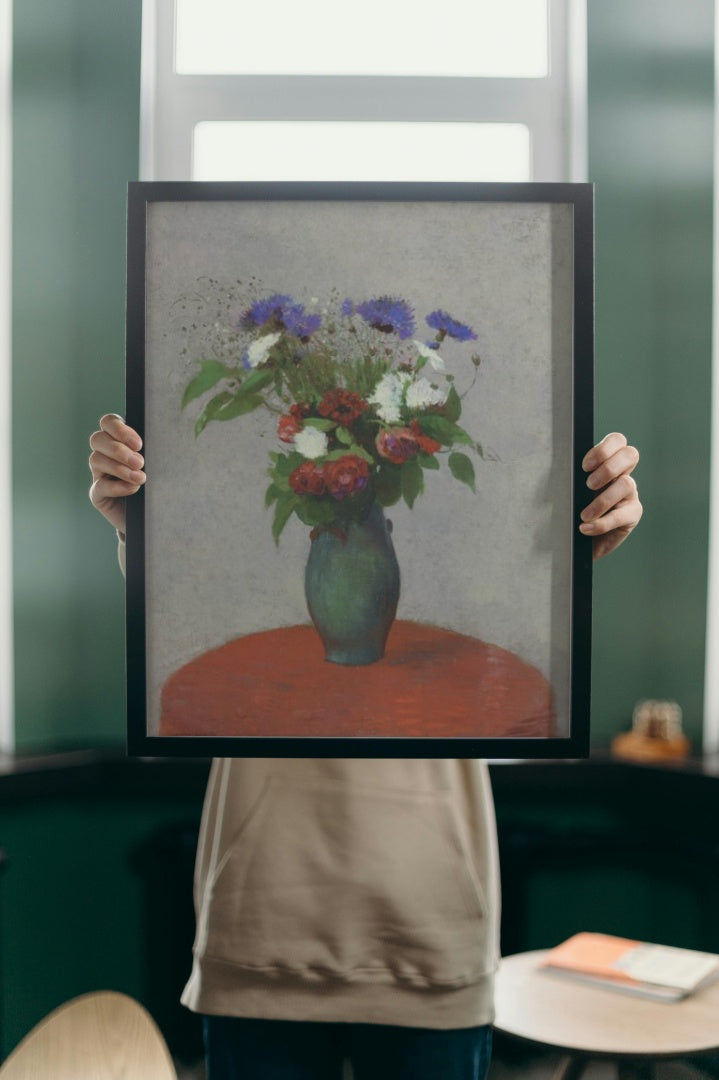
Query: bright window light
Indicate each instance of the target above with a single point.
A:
(316, 150)
(490, 38)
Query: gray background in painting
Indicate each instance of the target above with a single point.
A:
(493, 565)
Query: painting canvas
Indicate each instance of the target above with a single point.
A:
(363, 408)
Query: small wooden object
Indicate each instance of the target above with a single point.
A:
(656, 733)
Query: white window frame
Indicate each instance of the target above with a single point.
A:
(7, 721)
(710, 727)
(553, 108)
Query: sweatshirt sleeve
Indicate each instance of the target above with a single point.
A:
(121, 550)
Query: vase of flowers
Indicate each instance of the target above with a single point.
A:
(363, 409)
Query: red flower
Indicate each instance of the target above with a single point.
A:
(397, 445)
(342, 406)
(425, 442)
(307, 479)
(346, 476)
(288, 426)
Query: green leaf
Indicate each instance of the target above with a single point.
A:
(453, 406)
(443, 430)
(258, 380)
(319, 423)
(462, 469)
(211, 409)
(284, 464)
(286, 505)
(388, 485)
(427, 461)
(272, 494)
(239, 405)
(211, 371)
(344, 451)
(412, 481)
(312, 511)
(280, 482)
(360, 452)
(344, 436)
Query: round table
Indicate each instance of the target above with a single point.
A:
(431, 682)
(588, 1022)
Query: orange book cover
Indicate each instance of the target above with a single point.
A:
(592, 954)
(661, 971)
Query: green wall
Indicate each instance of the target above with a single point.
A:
(77, 899)
(76, 96)
(650, 156)
(76, 89)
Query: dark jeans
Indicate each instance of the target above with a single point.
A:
(239, 1049)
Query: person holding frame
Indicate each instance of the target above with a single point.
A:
(348, 909)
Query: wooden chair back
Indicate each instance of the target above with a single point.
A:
(98, 1036)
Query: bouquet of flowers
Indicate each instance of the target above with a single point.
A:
(363, 407)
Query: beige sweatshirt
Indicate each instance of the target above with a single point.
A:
(347, 890)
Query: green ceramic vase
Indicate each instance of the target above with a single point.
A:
(352, 586)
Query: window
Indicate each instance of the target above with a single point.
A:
(486, 92)
(710, 741)
(359, 150)
(6, 654)
(403, 38)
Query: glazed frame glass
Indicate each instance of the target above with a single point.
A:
(460, 320)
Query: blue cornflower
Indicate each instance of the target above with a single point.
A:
(440, 320)
(388, 314)
(263, 310)
(281, 311)
(299, 322)
(348, 308)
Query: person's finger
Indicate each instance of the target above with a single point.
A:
(622, 490)
(622, 461)
(102, 464)
(603, 450)
(624, 515)
(115, 426)
(107, 490)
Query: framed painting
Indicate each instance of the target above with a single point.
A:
(364, 409)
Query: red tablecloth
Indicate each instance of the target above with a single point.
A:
(431, 682)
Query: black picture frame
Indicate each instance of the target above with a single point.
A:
(527, 249)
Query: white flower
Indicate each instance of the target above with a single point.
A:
(311, 443)
(388, 396)
(258, 351)
(421, 395)
(430, 354)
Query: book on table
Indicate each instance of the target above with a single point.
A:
(661, 972)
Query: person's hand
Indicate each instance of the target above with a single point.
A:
(116, 466)
(616, 510)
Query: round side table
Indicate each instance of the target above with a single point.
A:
(586, 1022)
